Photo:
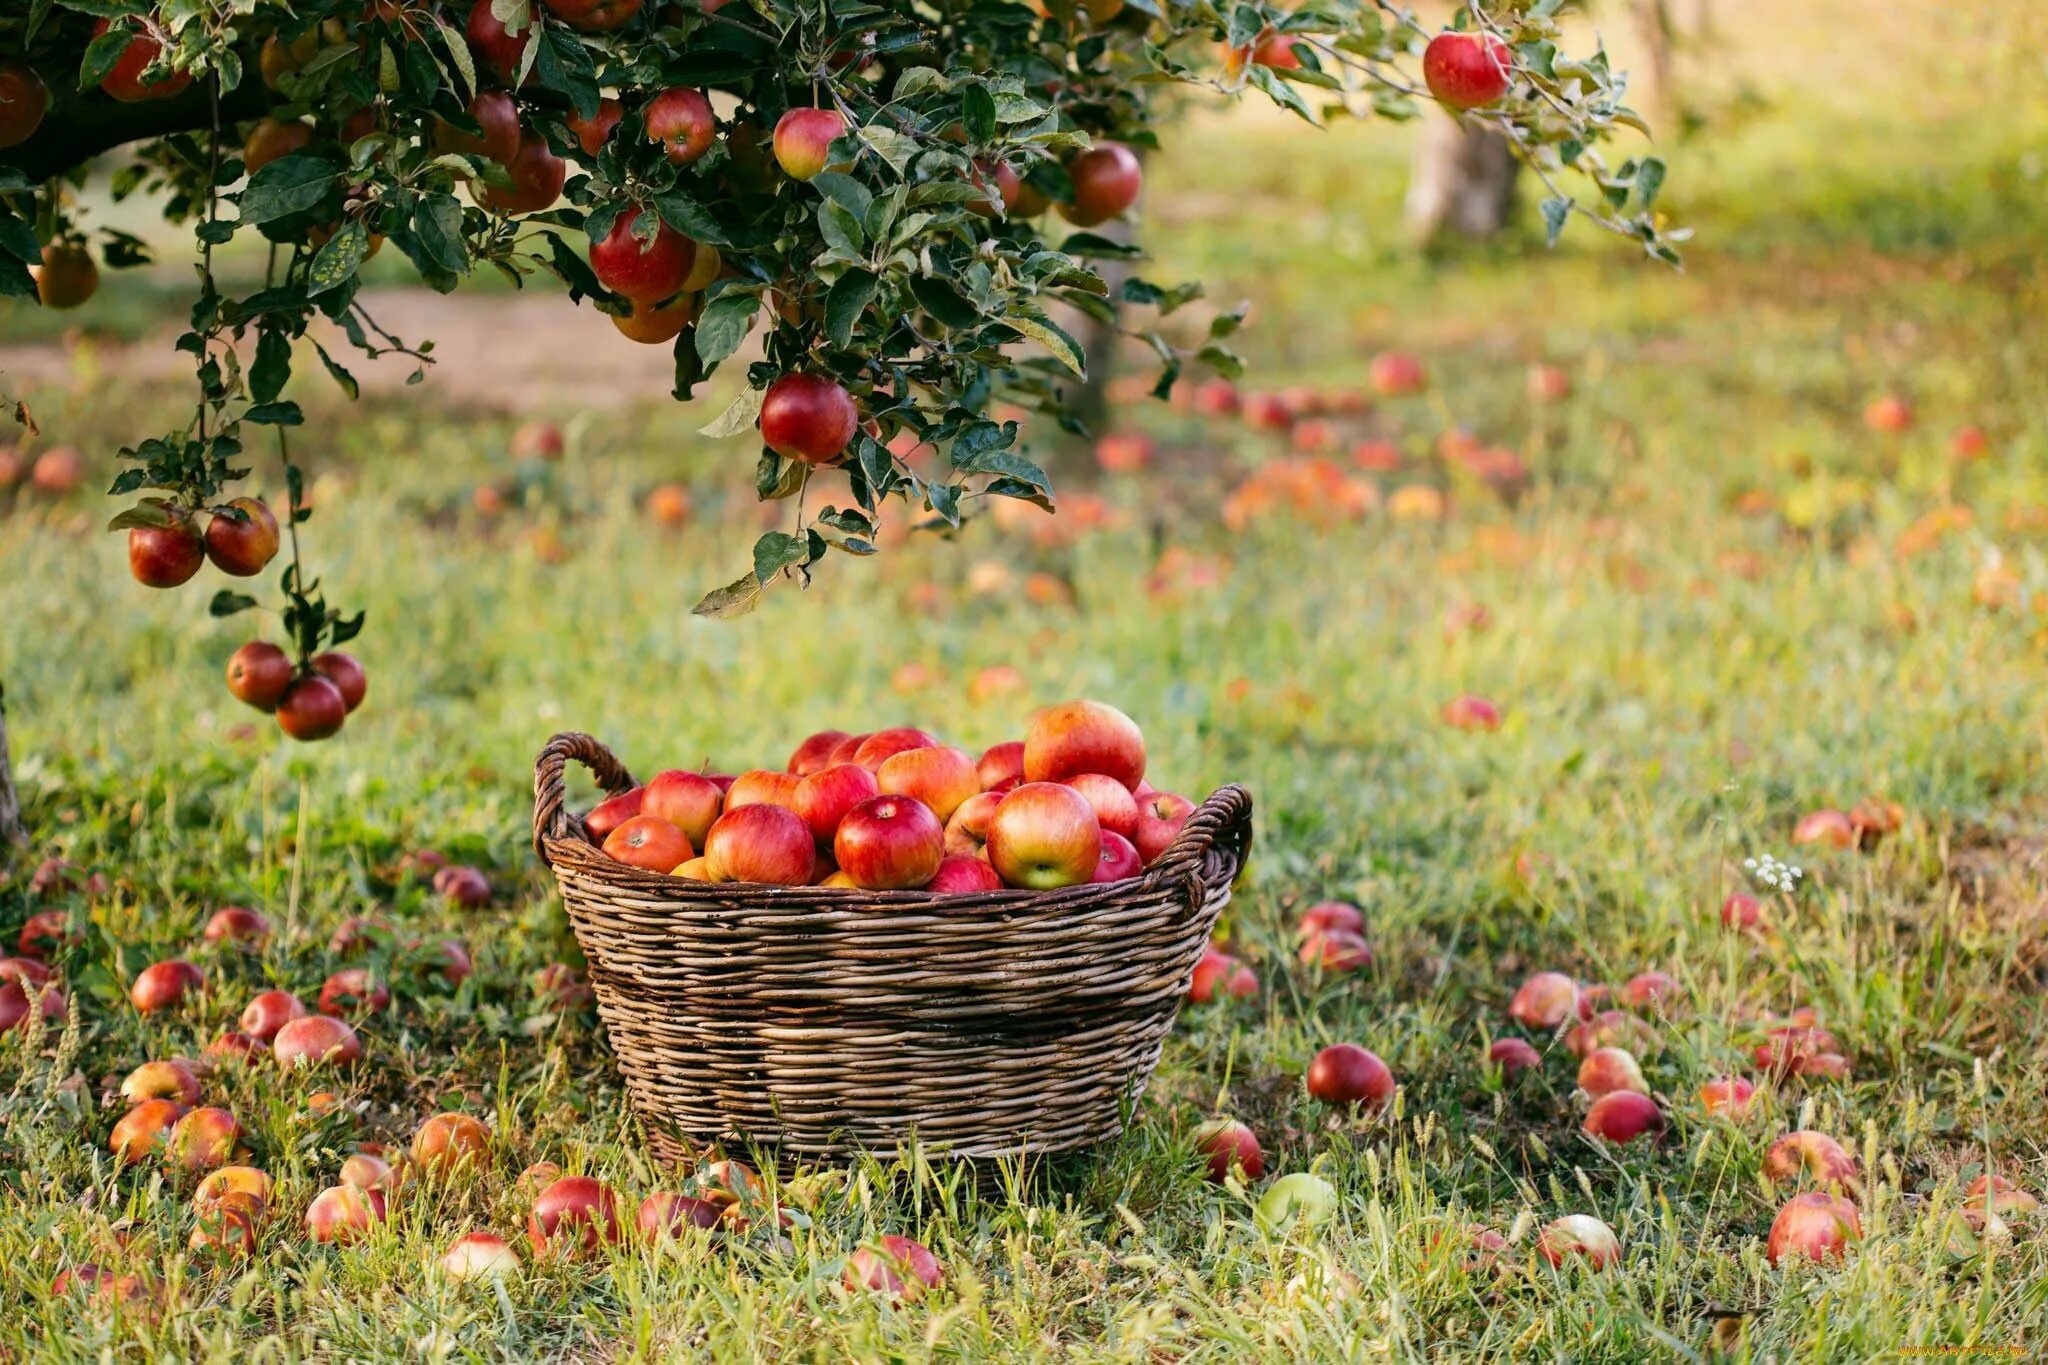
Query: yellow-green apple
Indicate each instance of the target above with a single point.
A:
(1466, 70)
(809, 418)
(890, 843)
(1043, 835)
(1119, 861)
(574, 1215)
(164, 1080)
(1218, 974)
(1579, 1234)
(1815, 1225)
(648, 272)
(1727, 1095)
(1160, 817)
(816, 752)
(1608, 1069)
(1326, 915)
(270, 1011)
(1115, 808)
(1623, 1116)
(1335, 951)
(963, 875)
(203, 1139)
(877, 748)
(803, 141)
(680, 119)
(1001, 766)
(315, 1040)
(258, 674)
(689, 801)
(664, 1214)
(1106, 180)
(1226, 1143)
(768, 844)
(165, 985)
(242, 540)
(1346, 1075)
(447, 1143)
(479, 1256)
(1545, 1001)
(352, 991)
(144, 1129)
(1513, 1055)
(1083, 736)
(825, 796)
(896, 1267)
(343, 1213)
(1813, 1154)
(236, 924)
(649, 842)
(940, 776)
(1298, 1199)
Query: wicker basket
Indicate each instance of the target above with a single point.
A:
(822, 1022)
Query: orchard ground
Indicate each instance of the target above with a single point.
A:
(1721, 602)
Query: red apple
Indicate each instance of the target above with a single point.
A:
(1224, 1143)
(537, 177)
(1218, 974)
(1466, 70)
(1812, 1154)
(125, 82)
(1327, 915)
(1817, 1226)
(501, 51)
(1514, 1055)
(575, 1214)
(644, 273)
(1119, 861)
(1043, 835)
(878, 748)
(1344, 1075)
(368, 1171)
(1471, 713)
(648, 842)
(258, 674)
(961, 875)
(165, 556)
(1160, 817)
(165, 985)
(231, 1046)
(967, 831)
(824, 797)
(23, 100)
(316, 1040)
(809, 418)
(815, 753)
(890, 843)
(463, 886)
(352, 991)
(1969, 442)
(767, 844)
(665, 1214)
(1608, 1069)
(229, 1181)
(1549, 383)
(689, 801)
(1395, 374)
(1115, 808)
(1624, 1116)
(1889, 414)
(236, 924)
(599, 16)
(166, 1080)
(1545, 1001)
(803, 140)
(1579, 1234)
(1741, 912)
(203, 1139)
(1727, 1095)
(312, 708)
(1001, 765)
(608, 814)
(1078, 737)
(1995, 1194)
(591, 134)
(682, 122)
(1829, 828)
(897, 1267)
(479, 1256)
(242, 542)
(1106, 179)
(144, 1129)
(848, 750)
(270, 1011)
(1655, 991)
(447, 1143)
(1335, 952)
(940, 776)
(343, 1213)
(497, 118)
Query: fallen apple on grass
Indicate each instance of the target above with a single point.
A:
(479, 1256)
(1815, 1225)
(1346, 1076)
(1579, 1235)
(1297, 1200)
(1606, 1070)
(166, 985)
(343, 1213)
(1813, 1155)
(896, 1267)
(165, 1080)
(144, 1130)
(1226, 1144)
(1544, 1002)
(575, 1215)
(316, 1040)
(237, 925)
(447, 1143)
(1728, 1097)
(1217, 975)
(1622, 1116)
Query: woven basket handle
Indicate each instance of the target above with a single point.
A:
(1214, 843)
(551, 817)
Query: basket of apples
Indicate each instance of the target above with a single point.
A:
(889, 938)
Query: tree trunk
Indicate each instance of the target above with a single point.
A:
(1463, 180)
(12, 830)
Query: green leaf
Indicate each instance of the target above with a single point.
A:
(437, 221)
(688, 217)
(723, 324)
(978, 113)
(291, 184)
(337, 262)
(229, 603)
(1649, 180)
(146, 514)
(458, 52)
(841, 229)
(283, 414)
(844, 190)
(343, 380)
(845, 301)
(18, 238)
(740, 415)
(944, 302)
(102, 54)
(1283, 94)
(1555, 213)
(735, 599)
(778, 550)
(1048, 334)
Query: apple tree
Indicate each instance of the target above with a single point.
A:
(898, 200)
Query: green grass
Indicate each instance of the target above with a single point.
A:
(1667, 716)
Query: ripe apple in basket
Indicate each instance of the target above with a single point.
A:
(689, 801)
(609, 814)
(939, 776)
(649, 842)
(1119, 861)
(762, 787)
(824, 797)
(890, 843)
(1160, 816)
(967, 831)
(815, 753)
(768, 844)
(1043, 836)
(883, 745)
(962, 875)
(1002, 766)
(1115, 807)
(1078, 737)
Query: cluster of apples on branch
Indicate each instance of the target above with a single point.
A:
(898, 810)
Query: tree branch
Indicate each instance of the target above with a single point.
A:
(80, 125)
